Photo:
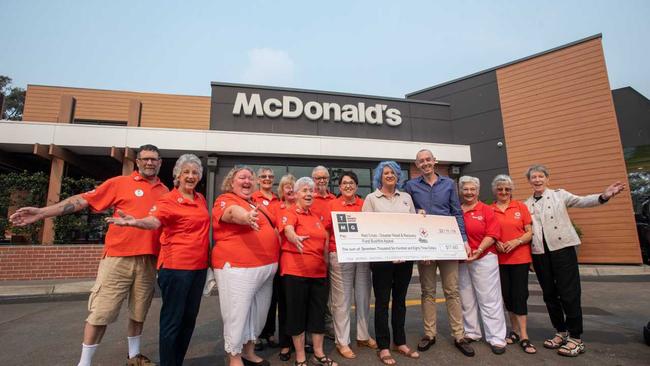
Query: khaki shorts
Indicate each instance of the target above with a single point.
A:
(117, 278)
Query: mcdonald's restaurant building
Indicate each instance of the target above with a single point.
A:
(554, 108)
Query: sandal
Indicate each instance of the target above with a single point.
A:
(386, 359)
(527, 346)
(556, 342)
(410, 353)
(323, 361)
(300, 363)
(577, 349)
(285, 356)
(512, 338)
(346, 352)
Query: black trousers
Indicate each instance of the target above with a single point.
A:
(390, 277)
(514, 287)
(559, 278)
(277, 302)
(306, 300)
(181, 292)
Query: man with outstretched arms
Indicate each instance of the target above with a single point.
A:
(128, 265)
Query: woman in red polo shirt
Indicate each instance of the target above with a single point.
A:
(303, 267)
(267, 198)
(514, 258)
(286, 199)
(478, 277)
(346, 278)
(183, 259)
(244, 259)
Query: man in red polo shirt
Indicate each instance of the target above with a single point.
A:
(128, 265)
(322, 199)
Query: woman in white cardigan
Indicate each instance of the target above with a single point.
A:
(554, 256)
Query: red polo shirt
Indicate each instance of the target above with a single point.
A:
(240, 245)
(339, 204)
(135, 196)
(260, 199)
(320, 206)
(311, 262)
(513, 222)
(479, 223)
(185, 228)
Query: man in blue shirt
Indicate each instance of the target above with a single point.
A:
(436, 195)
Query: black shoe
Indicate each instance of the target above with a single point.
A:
(498, 350)
(285, 356)
(259, 345)
(425, 343)
(251, 363)
(464, 347)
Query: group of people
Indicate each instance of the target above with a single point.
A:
(277, 251)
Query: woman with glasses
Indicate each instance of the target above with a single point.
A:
(513, 250)
(346, 278)
(266, 198)
(478, 277)
(286, 199)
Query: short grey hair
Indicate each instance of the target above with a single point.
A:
(537, 168)
(320, 168)
(264, 169)
(425, 150)
(502, 179)
(467, 179)
(183, 160)
(304, 181)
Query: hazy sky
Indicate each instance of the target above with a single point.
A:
(386, 48)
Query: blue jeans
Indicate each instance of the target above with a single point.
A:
(181, 298)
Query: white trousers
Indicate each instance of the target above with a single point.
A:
(344, 279)
(480, 291)
(244, 298)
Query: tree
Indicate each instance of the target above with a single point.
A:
(14, 99)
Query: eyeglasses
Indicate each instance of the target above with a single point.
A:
(266, 176)
(149, 160)
(321, 178)
(504, 189)
(348, 183)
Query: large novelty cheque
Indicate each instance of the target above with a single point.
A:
(382, 236)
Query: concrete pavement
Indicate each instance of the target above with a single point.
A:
(25, 290)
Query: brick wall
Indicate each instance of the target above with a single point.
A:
(42, 262)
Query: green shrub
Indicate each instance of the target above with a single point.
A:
(83, 226)
(34, 193)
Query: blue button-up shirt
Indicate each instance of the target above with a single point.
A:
(439, 199)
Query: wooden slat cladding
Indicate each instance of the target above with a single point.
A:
(158, 110)
(558, 111)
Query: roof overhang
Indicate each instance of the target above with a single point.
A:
(97, 140)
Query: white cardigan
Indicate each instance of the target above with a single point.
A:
(551, 219)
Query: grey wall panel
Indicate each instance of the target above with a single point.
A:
(474, 101)
(417, 110)
(478, 127)
(441, 93)
(431, 130)
(633, 115)
(487, 155)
